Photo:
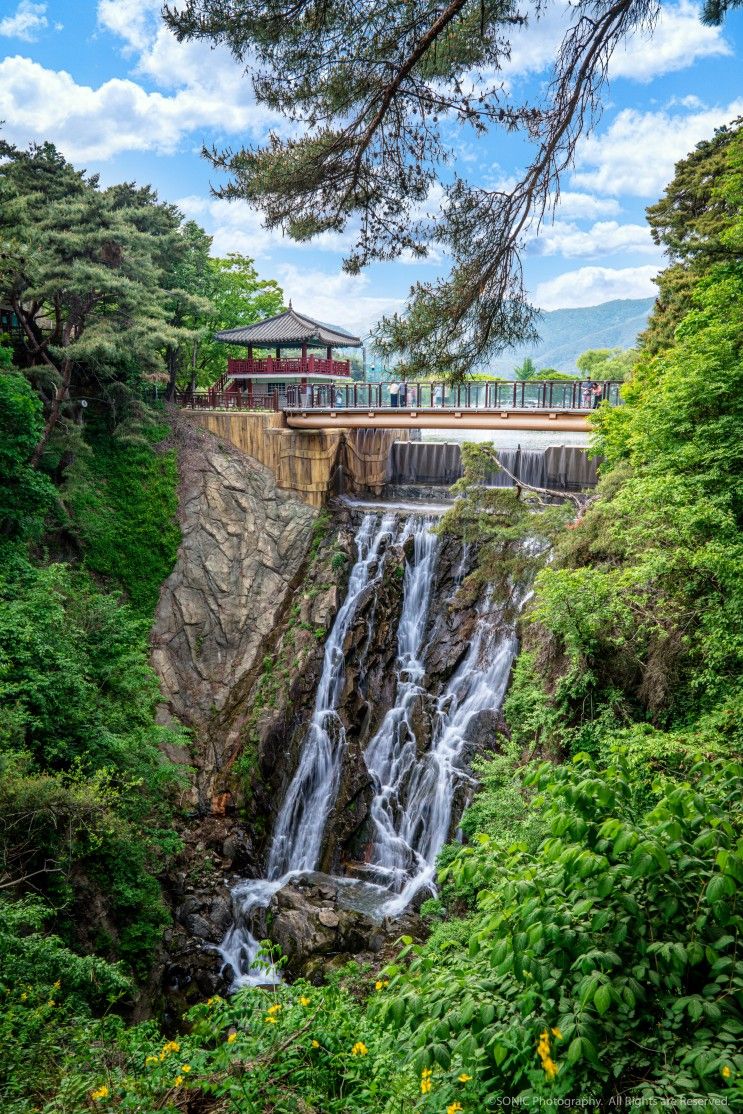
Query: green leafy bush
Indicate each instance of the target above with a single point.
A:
(617, 937)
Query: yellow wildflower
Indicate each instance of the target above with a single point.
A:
(210, 1001)
(151, 1060)
(726, 1072)
(359, 1049)
(177, 1081)
(273, 1009)
(232, 1038)
(454, 1108)
(464, 1078)
(304, 1000)
(380, 984)
(556, 1033)
(269, 1019)
(100, 1093)
(426, 1074)
(171, 1046)
(543, 1052)
(185, 1068)
(57, 985)
(315, 1044)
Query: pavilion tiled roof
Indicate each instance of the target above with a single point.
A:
(290, 329)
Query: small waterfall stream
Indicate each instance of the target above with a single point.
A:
(414, 786)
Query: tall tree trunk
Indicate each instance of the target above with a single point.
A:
(62, 392)
(172, 372)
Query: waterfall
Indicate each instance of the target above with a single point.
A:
(412, 807)
(300, 825)
(427, 789)
(297, 840)
(415, 784)
(393, 753)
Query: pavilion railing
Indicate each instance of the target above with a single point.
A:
(300, 365)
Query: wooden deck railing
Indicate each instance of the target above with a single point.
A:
(307, 365)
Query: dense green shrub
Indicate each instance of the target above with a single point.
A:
(618, 937)
(25, 494)
(122, 499)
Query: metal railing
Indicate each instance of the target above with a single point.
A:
(541, 394)
(494, 395)
(228, 400)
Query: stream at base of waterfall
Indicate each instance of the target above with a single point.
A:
(411, 810)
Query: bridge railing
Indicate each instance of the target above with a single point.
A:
(228, 400)
(541, 394)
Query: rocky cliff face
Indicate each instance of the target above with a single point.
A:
(244, 545)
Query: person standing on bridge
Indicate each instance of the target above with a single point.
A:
(598, 393)
(394, 393)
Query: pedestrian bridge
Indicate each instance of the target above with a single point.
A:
(549, 404)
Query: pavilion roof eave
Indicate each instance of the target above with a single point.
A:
(289, 330)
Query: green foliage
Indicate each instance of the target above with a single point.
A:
(526, 370)
(48, 996)
(238, 298)
(290, 1049)
(122, 498)
(692, 222)
(499, 521)
(615, 936)
(85, 271)
(607, 363)
(85, 794)
(25, 495)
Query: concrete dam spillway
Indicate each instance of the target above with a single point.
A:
(437, 463)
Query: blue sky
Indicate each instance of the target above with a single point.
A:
(111, 87)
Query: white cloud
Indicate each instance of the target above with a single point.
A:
(237, 226)
(678, 40)
(26, 22)
(602, 238)
(585, 206)
(119, 115)
(589, 286)
(134, 21)
(637, 152)
(339, 298)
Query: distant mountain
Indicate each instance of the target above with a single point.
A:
(565, 333)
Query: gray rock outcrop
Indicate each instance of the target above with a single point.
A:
(244, 541)
(243, 547)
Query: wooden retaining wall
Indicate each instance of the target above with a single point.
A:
(303, 461)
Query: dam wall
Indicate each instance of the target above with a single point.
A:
(305, 461)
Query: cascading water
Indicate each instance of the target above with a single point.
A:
(414, 787)
(424, 790)
(297, 840)
(412, 807)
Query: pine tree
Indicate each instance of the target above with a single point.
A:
(373, 90)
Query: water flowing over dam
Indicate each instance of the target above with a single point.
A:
(439, 463)
(418, 777)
